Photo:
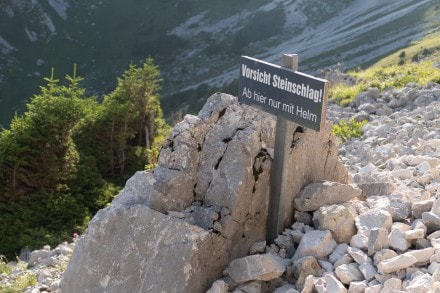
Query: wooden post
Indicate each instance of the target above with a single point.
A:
(283, 140)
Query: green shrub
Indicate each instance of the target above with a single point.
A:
(65, 157)
(19, 284)
(4, 267)
(347, 130)
(42, 219)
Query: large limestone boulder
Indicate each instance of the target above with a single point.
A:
(120, 253)
(175, 228)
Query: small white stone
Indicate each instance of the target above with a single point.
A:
(338, 252)
(397, 240)
(367, 169)
(421, 283)
(348, 273)
(379, 202)
(422, 255)
(434, 267)
(435, 257)
(377, 240)
(334, 285)
(218, 286)
(368, 270)
(434, 235)
(394, 264)
(423, 167)
(374, 289)
(414, 234)
(392, 284)
(357, 287)
(401, 226)
(436, 207)
(327, 266)
(403, 174)
(345, 259)
(360, 241)
(358, 255)
(383, 255)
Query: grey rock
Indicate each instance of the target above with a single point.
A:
(415, 234)
(297, 236)
(306, 266)
(128, 238)
(423, 256)
(368, 271)
(344, 259)
(288, 288)
(309, 285)
(392, 285)
(338, 219)
(258, 247)
(327, 266)
(251, 287)
(368, 108)
(358, 286)
(377, 240)
(419, 207)
(383, 255)
(396, 263)
(334, 285)
(379, 202)
(316, 195)
(375, 218)
(284, 241)
(360, 240)
(38, 256)
(422, 243)
(348, 273)
(400, 209)
(218, 286)
(318, 244)
(358, 255)
(303, 217)
(422, 283)
(377, 188)
(338, 252)
(432, 221)
(398, 241)
(262, 267)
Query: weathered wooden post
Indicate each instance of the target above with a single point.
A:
(283, 139)
(293, 97)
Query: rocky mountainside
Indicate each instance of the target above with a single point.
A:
(386, 237)
(195, 42)
(379, 234)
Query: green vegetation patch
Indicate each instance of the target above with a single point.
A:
(413, 64)
(68, 155)
(19, 284)
(348, 130)
(4, 267)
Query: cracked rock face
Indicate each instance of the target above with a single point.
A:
(176, 228)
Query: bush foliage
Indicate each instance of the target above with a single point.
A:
(68, 154)
(347, 130)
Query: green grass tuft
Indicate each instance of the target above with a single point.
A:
(4, 267)
(348, 130)
(20, 284)
(412, 64)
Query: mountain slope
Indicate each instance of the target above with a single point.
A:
(195, 42)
